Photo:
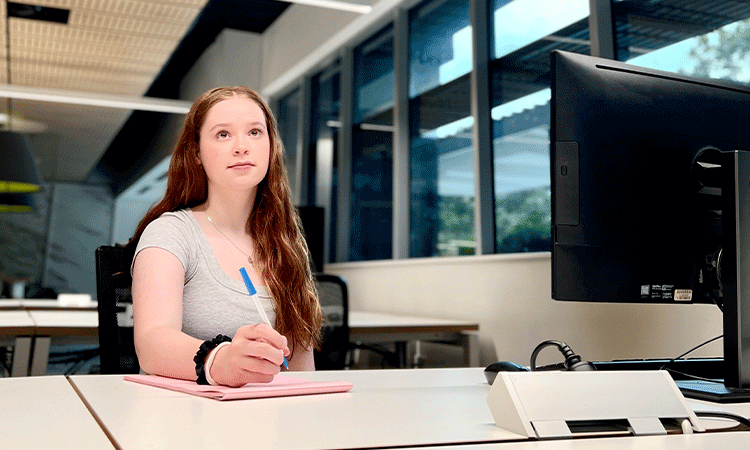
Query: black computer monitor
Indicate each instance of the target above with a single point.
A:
(649, 185)
(313, 225)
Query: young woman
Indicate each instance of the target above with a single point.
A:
(227, 206)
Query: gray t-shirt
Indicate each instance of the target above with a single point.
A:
(213, 302)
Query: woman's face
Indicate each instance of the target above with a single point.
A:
(234, 146)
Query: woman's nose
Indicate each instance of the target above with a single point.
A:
(241, 149)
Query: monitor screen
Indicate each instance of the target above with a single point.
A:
(640, 180)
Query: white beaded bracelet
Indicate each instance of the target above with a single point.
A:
(210, 361)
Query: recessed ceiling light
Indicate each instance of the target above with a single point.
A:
(337, 4)
(36, 12)
(21, 125)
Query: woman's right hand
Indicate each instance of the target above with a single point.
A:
(255, 355)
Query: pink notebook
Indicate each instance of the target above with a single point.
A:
(281, 386)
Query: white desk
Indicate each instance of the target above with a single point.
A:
(46, 412)
(364, 326)
(377, 328)
(386, 408)
(50, 304)
(17, 329)
(715, 441)
(80, 324)
(31, 325)
(76, 325)
(416, 408)
(55, 305)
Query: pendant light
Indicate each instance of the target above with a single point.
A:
(18, 170)
(17, 203)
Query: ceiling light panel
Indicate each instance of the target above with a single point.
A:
(113, 47)
(107, 46)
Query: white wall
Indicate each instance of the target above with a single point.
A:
(235, 58)
(510, 297)
(296, 35)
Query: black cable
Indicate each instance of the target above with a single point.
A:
(693, 377)
(539, 348)
(572, 361)
(690, 351)
(724, 415)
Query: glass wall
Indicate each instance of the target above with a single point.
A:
(710, 38)
(371, 215)
(521, 112)
(324, 143)
(287, 117)
(441, 152)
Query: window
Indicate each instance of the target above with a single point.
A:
(324, 138)
(707, 38)
(703, 40)
(288, 112)
(520, 112)
(441, 153)
(371, 219)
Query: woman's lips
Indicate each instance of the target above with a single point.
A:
(242, 166)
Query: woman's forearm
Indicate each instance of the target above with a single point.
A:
(168, 352)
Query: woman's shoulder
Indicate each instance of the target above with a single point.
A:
(182, 215)
(176, 223)
(181, 218)
(174, 232)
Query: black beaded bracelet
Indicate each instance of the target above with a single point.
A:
(200, 356)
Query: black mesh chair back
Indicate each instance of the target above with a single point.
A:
(334, 301)
(115, 306)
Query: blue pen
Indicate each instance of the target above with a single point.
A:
(253, 294)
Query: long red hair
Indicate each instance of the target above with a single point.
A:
(281, 253)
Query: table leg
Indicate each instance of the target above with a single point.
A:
(40, 357)
(470, 342)
(21, 357)
(416, 359)
(401, 349)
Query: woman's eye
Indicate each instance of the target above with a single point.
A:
(222, 134)
(255, 132)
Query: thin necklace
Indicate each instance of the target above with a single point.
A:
(249, 258)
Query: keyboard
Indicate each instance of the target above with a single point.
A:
(683, 371)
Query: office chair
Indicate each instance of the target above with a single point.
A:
(115, 307)
(334, 300)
